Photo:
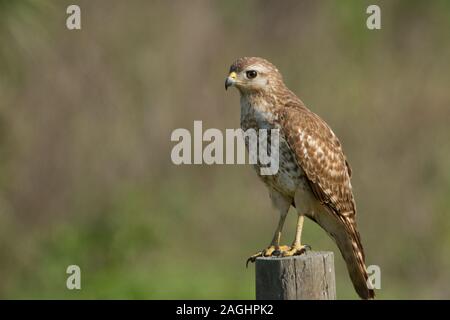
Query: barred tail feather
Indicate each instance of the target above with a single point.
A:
(352, 251)
(347, 238)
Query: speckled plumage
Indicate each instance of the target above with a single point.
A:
(314, 174)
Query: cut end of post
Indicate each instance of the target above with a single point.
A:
(309, 276)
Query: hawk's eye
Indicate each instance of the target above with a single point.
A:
(251, 74)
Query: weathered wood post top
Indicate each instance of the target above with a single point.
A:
(304, 277)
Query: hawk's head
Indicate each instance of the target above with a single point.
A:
(253, 74)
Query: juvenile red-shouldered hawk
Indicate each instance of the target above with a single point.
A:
(313, 176)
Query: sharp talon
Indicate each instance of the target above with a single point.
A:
(276, 253)
(253, 258)
(273, 250)
(296, 250)
(307, 247)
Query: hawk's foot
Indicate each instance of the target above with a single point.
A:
(268, 252)
(295, 250)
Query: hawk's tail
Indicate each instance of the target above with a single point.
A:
(349, 244)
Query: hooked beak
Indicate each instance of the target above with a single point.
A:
(231, 80)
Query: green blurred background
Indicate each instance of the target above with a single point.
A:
(86, 116)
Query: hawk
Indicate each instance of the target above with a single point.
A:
(314, 174)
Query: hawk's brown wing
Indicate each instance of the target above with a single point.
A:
(319, 153)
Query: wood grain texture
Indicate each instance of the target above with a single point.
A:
(309, 276)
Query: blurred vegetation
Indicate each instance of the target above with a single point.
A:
(85, 123)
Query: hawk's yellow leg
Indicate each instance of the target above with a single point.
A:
(297, 248)
(274, 248)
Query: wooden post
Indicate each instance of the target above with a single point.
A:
(304, 277)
